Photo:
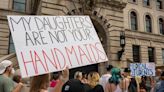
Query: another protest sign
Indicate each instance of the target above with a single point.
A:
(142, 69)
(50, 43)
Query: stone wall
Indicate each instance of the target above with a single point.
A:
(4, 36)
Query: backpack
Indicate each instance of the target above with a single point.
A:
(132, 85)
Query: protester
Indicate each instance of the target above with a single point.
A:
(78, 75)
(142, 87)
(160, 84)
(93, 86)
(73, 85)
(114, 83)
(25, 81)
(131, 83)
(127, 80)
(127, 73)
(54, 79)
(6, 83)
(84, 79)
(41, 83)
(138, 81)
(149, 82)
(133, 87)
(158, 74)
(104, 78)
(63, 79)
(93, 81)
(155, 80)
(17, 79)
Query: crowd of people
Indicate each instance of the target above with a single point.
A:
(114, 80)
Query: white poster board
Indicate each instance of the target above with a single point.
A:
(47, 44)
(142, 69)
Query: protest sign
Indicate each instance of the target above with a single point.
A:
(47, 44)
(142, 69)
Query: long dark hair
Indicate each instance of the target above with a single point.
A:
(39, 82)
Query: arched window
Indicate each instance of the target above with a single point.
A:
(148, 24)
(133, 17)
(161, 26)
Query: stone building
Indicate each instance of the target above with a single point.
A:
(144, 29)
(130, 30)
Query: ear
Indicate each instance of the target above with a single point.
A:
(9, 68)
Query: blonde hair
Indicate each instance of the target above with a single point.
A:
(78, 75)
(93, 79)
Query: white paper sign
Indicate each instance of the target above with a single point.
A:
(142, 69)
(47, 44)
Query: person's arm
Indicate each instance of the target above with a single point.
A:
(123, 84)
(18, 87)
(64, 78)
(58, 87)
(9, 86)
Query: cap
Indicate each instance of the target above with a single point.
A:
(109, 67)
(73, 85)
(3, 65)
(127, 70)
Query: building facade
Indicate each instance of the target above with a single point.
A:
(130, 31)
(144, 29)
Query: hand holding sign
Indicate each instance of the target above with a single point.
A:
(65, 75)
